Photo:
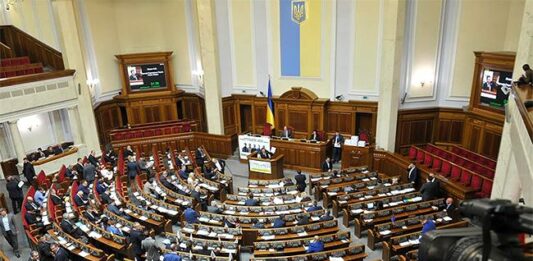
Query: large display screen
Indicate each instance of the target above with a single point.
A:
(145, 77)
(495, 88)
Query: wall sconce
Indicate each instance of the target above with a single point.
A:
(11, 3)
(29, 123)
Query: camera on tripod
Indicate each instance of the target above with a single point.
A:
(494, 235)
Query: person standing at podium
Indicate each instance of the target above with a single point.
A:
(264, 154)
(337, 141)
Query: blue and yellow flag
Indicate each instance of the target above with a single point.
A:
(270, 108)
(300, 37)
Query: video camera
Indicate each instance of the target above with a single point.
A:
(495, 234)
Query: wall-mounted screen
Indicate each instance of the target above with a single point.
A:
(145, 77)
(495, 88)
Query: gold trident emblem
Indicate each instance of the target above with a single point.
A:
(298, 11)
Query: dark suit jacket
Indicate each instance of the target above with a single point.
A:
(286, 134)
(92, 159)
(325, 166)
(430, 190)
(136, 237)
(341, 139)
(303, 221)
(450, 209)
(45, 252)
(127, 153)
(31, 206)
(30, 218)
(132, 169)
(13, 189)
(56, 199)
(90, 216)
(28, 170)
(414, 175)
(300, 180)
(12, 226)
(61, 255)
(89, 172)
(106, 199)
(70, 229)
(80, 201)
(79, 168)
(314, 137)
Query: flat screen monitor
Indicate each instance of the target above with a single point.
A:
(495, 88)
(146, 77)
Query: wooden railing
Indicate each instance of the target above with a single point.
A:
(523, 93)
(6, 51)
(35, 77)
(23, 44)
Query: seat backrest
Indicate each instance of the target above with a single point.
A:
(412, 153)
(446, 168)
(428, 159)
(437, 163)
(476, 182)
(456, 172)
(466, 177)
(420, 156)
(487, 187)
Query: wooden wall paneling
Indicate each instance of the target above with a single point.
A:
(415, 127)
(228, 113)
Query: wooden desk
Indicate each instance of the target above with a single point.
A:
(302, 155)
(54, 157)
(258, 168)
(353, 156)
(300, 250)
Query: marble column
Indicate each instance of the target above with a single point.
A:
(205, 14)
(389, 94)
(17, 141)
(73, 118)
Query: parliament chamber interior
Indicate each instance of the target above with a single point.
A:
(263, 130)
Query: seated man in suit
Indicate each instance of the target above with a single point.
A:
(197, 195)
(279, 222)
(449, 208)
(69, 227)
(92, 215)
(316, 245)
(43, 248)
(31, 206)
(209, 173)
(314, 207)
(327, 165)
(219, 165)
(183, 172)
(55, 198)
(110, 157)
(264, 154)
(101, 186)
(106, 197)
(112, 228)
(251, 201)
(117, 211)
(314, 136)
(257, 224)
(430, 189)
(327, 216)
(143, 165)
(213, 208)
(33, 219)
(286, 132)
(60, 254)
(80, 199)
(302, 220)
(200, 156)
(84, 187)
(191, 216)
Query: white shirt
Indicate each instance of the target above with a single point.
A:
(5, 221)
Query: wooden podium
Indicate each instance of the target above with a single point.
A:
(353, 156)
(265, 168)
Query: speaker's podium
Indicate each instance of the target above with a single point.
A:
(265, 168)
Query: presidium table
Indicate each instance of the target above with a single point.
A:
(300, 154)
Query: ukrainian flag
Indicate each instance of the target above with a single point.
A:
(270, 108)
(300, 37)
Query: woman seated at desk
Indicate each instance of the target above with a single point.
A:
(264, 154)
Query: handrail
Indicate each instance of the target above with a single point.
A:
(6, 51)
(523, 93)
(24, 44)
(35, 77)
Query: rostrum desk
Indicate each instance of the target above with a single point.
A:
(275, 166)
(302, 155)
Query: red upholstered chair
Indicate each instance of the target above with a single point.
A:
(158, 132)
(41, 179)
(137, 134)
(128, 135)
(490, 174)
(476, 182)
(437, 163)
(186, 127)
(117, 136)
(486, 189)
(430, 148)
(62, 171)
(420, 156)
(175, 129)
(363, 135)
(446, 168)
(456, 173)
(466, 177)
(428, 159)
(491, 164)
(321, 135)
(148, 133)
(167, 131)
(267, 130)
(412, 153)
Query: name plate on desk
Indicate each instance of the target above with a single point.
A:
(260, 166)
